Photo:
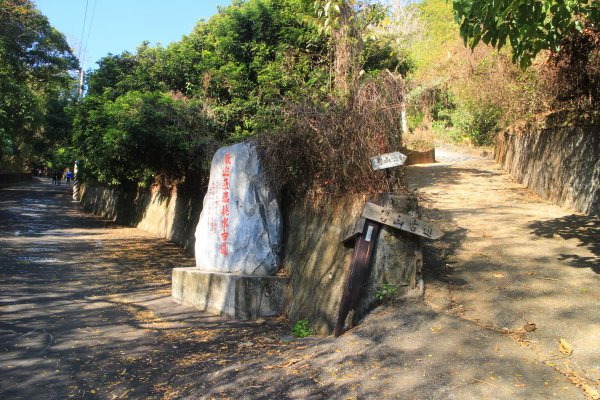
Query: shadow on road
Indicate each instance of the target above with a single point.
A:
(584, 228)
(441, 175)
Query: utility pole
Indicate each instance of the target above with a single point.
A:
(80, 83)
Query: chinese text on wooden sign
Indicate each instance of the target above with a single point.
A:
(401, 221)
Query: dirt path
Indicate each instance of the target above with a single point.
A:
(510, 258)
(86, 311)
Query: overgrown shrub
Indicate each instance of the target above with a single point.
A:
(323, 148)
(475, 123)
(572, 75)
(485, 125)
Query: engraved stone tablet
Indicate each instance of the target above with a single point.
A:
(239, 230)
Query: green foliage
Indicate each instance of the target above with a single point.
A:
(387, 292)
(466, 94)
(473, 122)
(380, 53)
(35, 83)
(61, 158)
(430, 52)
(160, 110)
(141, 135)
(302, 329)
(415, 118)
(529, 26)
(485, 125)
(332, 14)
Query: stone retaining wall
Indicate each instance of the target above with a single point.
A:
(173, 215)
(314, 257)
(317, 262)
(556, 156)
(415, 157)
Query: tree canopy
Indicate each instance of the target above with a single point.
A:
(530, 26)
(224, 82)
(35, 84)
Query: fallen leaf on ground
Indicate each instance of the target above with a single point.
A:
(529, 327)
(591, 392)
(565, 347)
(292, 361)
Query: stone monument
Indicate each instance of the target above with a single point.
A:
(238, 241)
(240, 225)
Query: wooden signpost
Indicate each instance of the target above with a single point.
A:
(389, 160)
(354, 233)
(358, 276)
(401, 221)
(365, 235)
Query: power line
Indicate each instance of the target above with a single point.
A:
(87, 41)
(83, 47)
(83, 30)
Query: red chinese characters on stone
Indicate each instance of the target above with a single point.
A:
(225, 206)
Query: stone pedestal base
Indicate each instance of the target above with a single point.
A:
(238, 296)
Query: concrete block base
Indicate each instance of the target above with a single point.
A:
(238, 296)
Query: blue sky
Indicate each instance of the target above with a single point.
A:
(119, 25)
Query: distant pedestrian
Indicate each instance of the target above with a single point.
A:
(69, 176)
(54, 178)
(59, 176)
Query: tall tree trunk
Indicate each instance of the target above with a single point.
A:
(403, 116)
(344, 41)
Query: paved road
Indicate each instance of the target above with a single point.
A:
(86, 309)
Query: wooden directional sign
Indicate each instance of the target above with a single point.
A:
(353, 233)
(401, 221)
(388, 160)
